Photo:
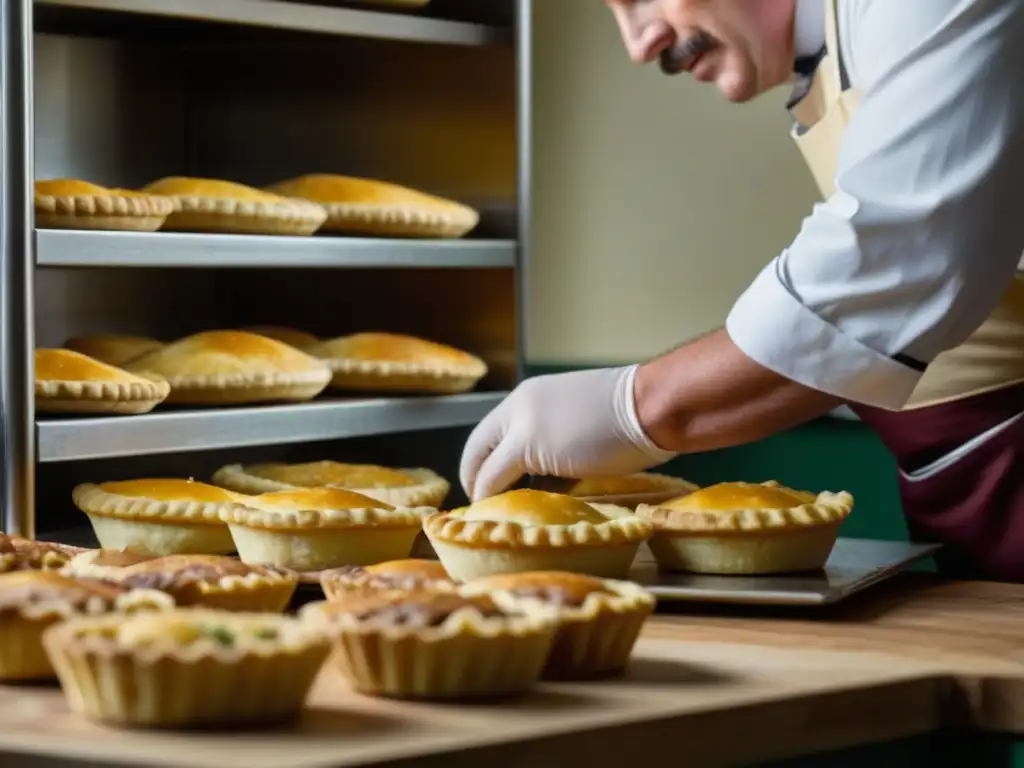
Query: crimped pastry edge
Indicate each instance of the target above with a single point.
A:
(621, 527)
(111, 204)
(474, 369)
(93, 500)
(624, 596)
(286, 210)
(459, 220)
(149, 387)
(126, 603)
(337, 585)
(308, 519)
(243, 380)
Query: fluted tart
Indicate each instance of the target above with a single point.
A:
(409, 575)
(69, 382)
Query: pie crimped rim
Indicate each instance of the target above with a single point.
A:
(63, 606)
(262, 512)
(144, 390)
(347, 581)
(618, 595)
(92, 499)
(104, 207)
(19, 554)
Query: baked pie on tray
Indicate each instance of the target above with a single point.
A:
(630, 490)
(401, 487)
(370, 207)
(530, 530)
(211, 205)
(113, 349)
(69, 382)
(412, 575)
(75, 204)
(389, 362)
(187, 667)
(234, 367)
(746, 528)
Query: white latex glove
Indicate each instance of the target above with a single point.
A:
(569, 425)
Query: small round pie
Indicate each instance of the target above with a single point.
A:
(234, 368)
(76, 204)
(630, 490)
(401, 487)
(113, 348)
(392, 576)
(435, 645)
(746, 529)
(187, 667)
(21, 554)
(529, 530)
(159, 516)
(70, 382)
(599, 620)
(31, 601)
(388, 362)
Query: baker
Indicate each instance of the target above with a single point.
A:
(902, 295)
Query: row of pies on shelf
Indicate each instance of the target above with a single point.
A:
(132, 375)
(300, 206)
(158, 642)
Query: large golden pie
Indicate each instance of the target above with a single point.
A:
(211, 205)
(370, 207)
(401, 487)
(76, 204)
(529, 530)
(746, 528)
(234, 367)
(158, 516)
(630, 490)
(113, 348)
(70, 382)
(379, 362)
(312, 529)
(293, 337)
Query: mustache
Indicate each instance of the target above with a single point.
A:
(675, 59)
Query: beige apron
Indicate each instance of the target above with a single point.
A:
(993, 357)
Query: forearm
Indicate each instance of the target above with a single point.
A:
(708, 394)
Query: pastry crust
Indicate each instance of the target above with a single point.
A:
(311, 529)
(599, 620)
(21, 554)
(435, 646)
(747, 528)
(158, 516)
(392, 576)
(293, 337)
(388, 362)
(31, 601)
(113, 349)
(631, 490)
(187, 667)
(75, 204)
(400, 487)
(69, 382)
(528, 530)
(370, 207)
(210, 205)
(234, 367)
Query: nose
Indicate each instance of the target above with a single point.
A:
(645, 42)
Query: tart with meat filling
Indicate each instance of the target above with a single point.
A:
(391, 576)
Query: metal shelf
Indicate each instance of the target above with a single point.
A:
(300, 17)
(200, 430)
(83, 248)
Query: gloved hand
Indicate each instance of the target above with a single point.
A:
(569, 425)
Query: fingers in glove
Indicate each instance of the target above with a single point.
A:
(485, 437)
(500, 470)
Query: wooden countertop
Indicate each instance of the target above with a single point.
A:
(708, 689)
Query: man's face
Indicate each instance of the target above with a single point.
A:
(744, 46)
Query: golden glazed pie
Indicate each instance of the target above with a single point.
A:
(312, 529)
(391, 576)
(388, 362)
(599, 620)
(69, 382)
(746, 528)
(529, 530)
(234, 367)
(210, 205)
(290, 336)
(435, 645)
(158, 517)
(401, 487)
(75, 204)
(369, 207)
(31, 601)
(113, 349)
(187, 667)
(630, 490)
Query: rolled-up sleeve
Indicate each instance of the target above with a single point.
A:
(926, 228)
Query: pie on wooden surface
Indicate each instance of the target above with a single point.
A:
(401, 487)
(529, 530)
(70, 382)
(234, 367)
(113, 349)
(370, 207)
(746, 528)
(293, 337)
(631, 490)
(211, 205)
(75, 204)
(385, 362)
(158, 516)
(311, 529)
(391, 576)
(599, 620)
(435, 645)
(186, 667)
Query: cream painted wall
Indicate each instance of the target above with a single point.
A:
(655, 201)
